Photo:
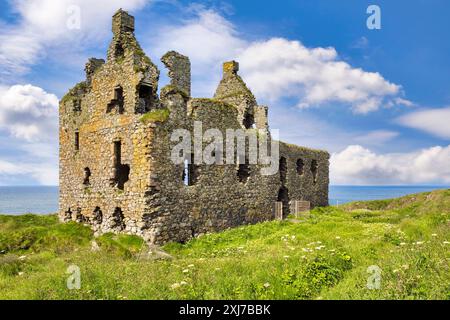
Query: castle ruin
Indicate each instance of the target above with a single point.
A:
(116, 172)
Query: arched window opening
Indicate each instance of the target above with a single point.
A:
(145, 94)
(98, 215)
(87, 175)
(249, 121)
(283, 197)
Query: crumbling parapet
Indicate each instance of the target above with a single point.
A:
(261, 117)
(179, 71)
(92, 66)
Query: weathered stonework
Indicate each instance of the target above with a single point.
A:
(116, 173)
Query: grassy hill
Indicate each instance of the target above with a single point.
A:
(325, 257)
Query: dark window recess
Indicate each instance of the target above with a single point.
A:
(190, 172)
(118, 219)
(314, 167)
(76, 105)
(98, 215)
(243, 171)
(119, 52)
(68, 215)
(77, 140)
(300, 166)
(79, 217)
(249, 121)
(283, 170)
(121, 171)
(145, 93)
(283, 196)
(87, 175)
(118, 102)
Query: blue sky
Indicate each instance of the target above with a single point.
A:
(377, 100)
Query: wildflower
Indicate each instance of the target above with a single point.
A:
(303, 257)
(419, 243)
(217, 269)
(183, 283)
(434, 235)
(240, 248)
(286, 257)
(22, 257)
(405, 266)
(175, 285)
(20, 273)
(266, 285)
(319, 248)
(190, 266)
(403, 243)
(293, 237)
(446, 242)
(185, 270)
(338, 237)
(395, 271)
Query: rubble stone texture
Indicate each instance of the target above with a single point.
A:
(116, 173)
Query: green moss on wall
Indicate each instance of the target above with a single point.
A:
(157, 115)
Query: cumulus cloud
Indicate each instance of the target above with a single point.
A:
(433, 121)
(358, 165)
(277, 68)
(29, 116)
(44, 24)
(28, 112)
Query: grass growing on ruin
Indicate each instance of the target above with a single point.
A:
(156, 115)
(326, 257)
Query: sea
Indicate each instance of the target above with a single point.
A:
(44, 200)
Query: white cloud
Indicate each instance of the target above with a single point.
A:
(377, 137)
(358, 165)
(275, 68)
(28, 112)
(433, 121)
(43, 25)
(29, 115)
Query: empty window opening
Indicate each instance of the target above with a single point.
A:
(283, 197)
(145, 93)
(77, 140)
(76, 105)
(243, 171)
(98, 215)
(68, 215)
(87, 175)
(118, 102)
(118, 219)
(283, 170)
(314, 167)
(190, 172)
(249, 121)
(300, 166)
(119, 52)
(79, 217)
(121, 171)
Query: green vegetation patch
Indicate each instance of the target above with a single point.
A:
(327, 256)
(157, 115)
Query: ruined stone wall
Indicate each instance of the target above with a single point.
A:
(141, 191)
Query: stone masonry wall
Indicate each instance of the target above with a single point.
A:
(116, 172)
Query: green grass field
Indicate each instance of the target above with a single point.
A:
(327, 256)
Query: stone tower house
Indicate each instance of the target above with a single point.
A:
(116, 172)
